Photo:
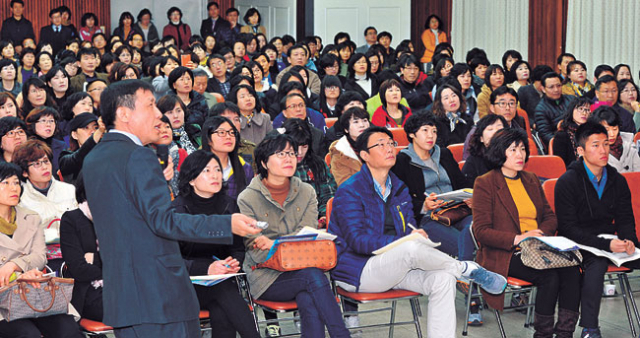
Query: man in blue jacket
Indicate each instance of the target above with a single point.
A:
(372, 209)
(147, 291)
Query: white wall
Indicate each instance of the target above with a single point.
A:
(278, 16)
(193, 11)
(353, 16)
(493, 25)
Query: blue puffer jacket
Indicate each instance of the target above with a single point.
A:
(358, 221)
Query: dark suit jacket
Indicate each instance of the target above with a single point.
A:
(77, 237)
(145, 278)
(496, 222)
(57, 40)
(222, 30)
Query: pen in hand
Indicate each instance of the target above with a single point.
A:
(218, 259)
(411, 226)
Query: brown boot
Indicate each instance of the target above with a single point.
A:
(566, 324)
(543, 326)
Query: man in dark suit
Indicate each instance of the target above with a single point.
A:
(215, 25)
(16, 28)
(56, 34)
(147, 291)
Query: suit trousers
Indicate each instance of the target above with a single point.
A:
(419, 268)
(186, 329)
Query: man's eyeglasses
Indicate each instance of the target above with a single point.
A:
(390, 144)
(502, 104)
(294, 106)
(15, 133)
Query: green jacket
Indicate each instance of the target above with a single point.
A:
(374, 103)
(300, 209)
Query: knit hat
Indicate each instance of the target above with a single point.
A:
(82, 120)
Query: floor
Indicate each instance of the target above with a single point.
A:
(613, 320)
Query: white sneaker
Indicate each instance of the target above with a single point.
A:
(352, 322)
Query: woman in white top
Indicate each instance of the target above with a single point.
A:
(360, 78)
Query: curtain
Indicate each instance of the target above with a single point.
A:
(604, 32)
(493, 25)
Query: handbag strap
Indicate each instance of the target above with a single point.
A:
(22, 286)
(53, 221)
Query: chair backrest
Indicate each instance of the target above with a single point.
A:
(636, 138)
(551, 146)
(461, 164)
(533, 150)
(327, 159)
(527, 124)
(400, 136)
(218, 97)
(546, 166)
(457, 150)
(328, 212)
(549, 187)
(633, 180)
(330, 121)
(398, 148)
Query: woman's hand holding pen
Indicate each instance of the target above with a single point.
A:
(224, 266)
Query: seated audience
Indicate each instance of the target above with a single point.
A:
(592, 199)
(24, 251)
(254, 124)
(186, 135)
(12, 135)
(232, 112)
(8, 105)
(607, 93)
(564, 142)
(391, 113)
(493, 79)
(41, 125)
(449, 108)
(359, 77)
(287, 204)
(344, 160)
(509, 206)
(201, 192)
(552, 107)
(372, 209)
(577, 84)
(477, 163)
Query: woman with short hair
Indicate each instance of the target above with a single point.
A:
(576, 82)
(254, 123)
(391, 113)
(42, 124)
(253, 21)
(493, 78)
(180, 31)
(519, 75)
(344, 160)
(565, 144)
(186, 135)
(623, 152)
(476, 164)
(181, 83)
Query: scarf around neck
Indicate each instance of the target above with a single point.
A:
(8, 227)
(616, 148)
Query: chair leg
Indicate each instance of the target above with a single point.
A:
(499, 320)
(530, 306)
(465, 326)
(627, 307)
(393, 318)
(632, 300)
(415, 307)
(419, 310)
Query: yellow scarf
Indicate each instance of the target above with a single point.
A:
(9, 227)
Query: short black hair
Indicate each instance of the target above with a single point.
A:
(219, 108)
(476, 53)
(384, 34)
(603, 68)
(231, 10)
(168, 103)
(476, 146)
(9, 123)
(87, 16)
(233, 95)
(173, 9)
(362, 142)
(345, 118)
(8, 170)
(9, 62)
(16, 2)
(492, 69)
(416, 121)
(120, 94)
(177, 73)
(477, 61)
(605, 114)
(550, 75)
(406, 60)
(573, 63)
(54, 11)
(433, 16)
(562, 56)
(86, 51)
(385, 86)
(71, 102)
(250, 12)
(514, 54)
(143, 12)
(538, 72)
(501, 141)
(605, 79)
(340, 36)
(587, 129)
(366, 30)
(580, 101)
(299, 46)
(352, 62)
(271, 144)
(501, 91)
(192, 167)
(349, 96)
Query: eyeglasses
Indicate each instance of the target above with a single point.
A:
(15, 133)
(6, 184)
(224, 133)
(628, 91)
(295, 106)
(46, 121)
(609, 92)
(39, 164)
(502, 104)
(583, 111)
(332, 88)
(283, 154)
(390, 144)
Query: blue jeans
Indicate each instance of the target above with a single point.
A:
(456, 239)
(317, 305)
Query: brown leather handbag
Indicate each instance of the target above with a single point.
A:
(451, 212)
(291, 256)
(20, 300)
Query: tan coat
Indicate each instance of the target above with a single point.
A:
(300, 209)
(496, 222)
(344, 161)
(484, 101)
(314, 80)
(248, 29)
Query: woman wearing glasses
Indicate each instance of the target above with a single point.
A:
(223, 139)
(360, 78)
(277, 197)
(564, 142)
(49, 197)
(42, 124)
(12, 135)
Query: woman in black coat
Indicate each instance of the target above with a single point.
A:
(201, 192)
(79, 246)
(476, 164)
(564, 142)
(360, 78)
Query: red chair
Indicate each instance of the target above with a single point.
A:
(551, 146)
(546, 166)
(527, 124)
(93, 328)
(633, 180)
(399, 136)
(330, 121)
(461, 164)
(457, 151)
(533, 150)
(392, 296)
(636, 138)
(327, 159)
